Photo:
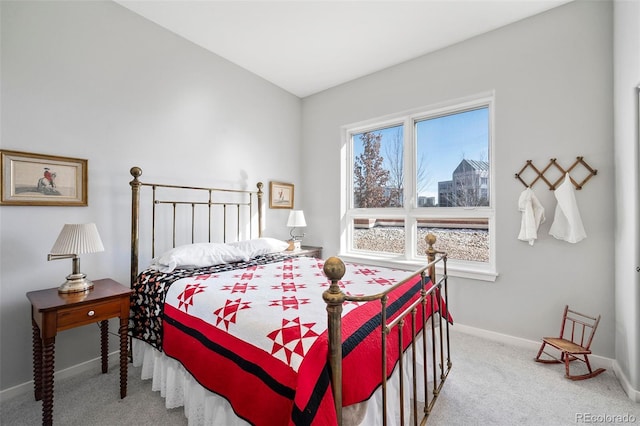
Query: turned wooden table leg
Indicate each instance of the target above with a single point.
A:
(37, 361)
(47, 381)
(123, 356)
(104, 345)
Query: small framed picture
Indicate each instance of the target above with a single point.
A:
(280, 195)
(29, 179)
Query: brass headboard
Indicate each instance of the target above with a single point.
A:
(243, 202)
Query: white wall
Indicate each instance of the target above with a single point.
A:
(93, 80)
(627, 230)
(552, 77)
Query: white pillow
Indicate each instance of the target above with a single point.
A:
(260, 246)
(198, 255)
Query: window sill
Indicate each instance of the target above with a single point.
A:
(454, 269)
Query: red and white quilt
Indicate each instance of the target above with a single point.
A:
(258, 337)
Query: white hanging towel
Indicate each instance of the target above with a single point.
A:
(532, 216)
(567, 224)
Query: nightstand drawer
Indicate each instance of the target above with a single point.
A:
(88, 314)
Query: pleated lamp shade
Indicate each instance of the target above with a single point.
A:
(78, 239)
(296, 218)
(75, 239)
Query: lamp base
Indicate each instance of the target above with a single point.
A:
(75, 283)
(294, 245)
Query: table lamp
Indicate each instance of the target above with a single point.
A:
(296, 220)
(75, 239)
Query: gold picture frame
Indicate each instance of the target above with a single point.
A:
(280, 195)
(29, 179)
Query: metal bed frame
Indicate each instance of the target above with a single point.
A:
(436, 363)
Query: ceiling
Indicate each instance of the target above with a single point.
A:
(306, 46)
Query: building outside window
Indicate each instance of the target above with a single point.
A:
(468, 186)
(429, 171)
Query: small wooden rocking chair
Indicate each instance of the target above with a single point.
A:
(576, 334)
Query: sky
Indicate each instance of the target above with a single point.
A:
(442, 142)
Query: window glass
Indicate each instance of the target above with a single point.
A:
(462, 238)
(378, 168)
(381, 235)
(453, 159)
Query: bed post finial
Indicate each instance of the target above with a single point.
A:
(334, 269)
(136, 172)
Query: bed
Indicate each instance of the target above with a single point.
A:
(238, 330)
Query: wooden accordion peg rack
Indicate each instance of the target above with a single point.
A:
(540, 174)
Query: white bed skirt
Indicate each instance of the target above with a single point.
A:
(202, 407)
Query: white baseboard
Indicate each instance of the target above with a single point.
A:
(96, 363)
(634, 394)
(596, 360)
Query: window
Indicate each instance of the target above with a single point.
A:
(428, 171)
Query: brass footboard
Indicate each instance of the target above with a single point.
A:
(436, 363)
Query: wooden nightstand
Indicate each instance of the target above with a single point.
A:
(52, 312)
(310, 251)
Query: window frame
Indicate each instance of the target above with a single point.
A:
(410, 211)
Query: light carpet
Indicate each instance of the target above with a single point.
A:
(491, 383)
